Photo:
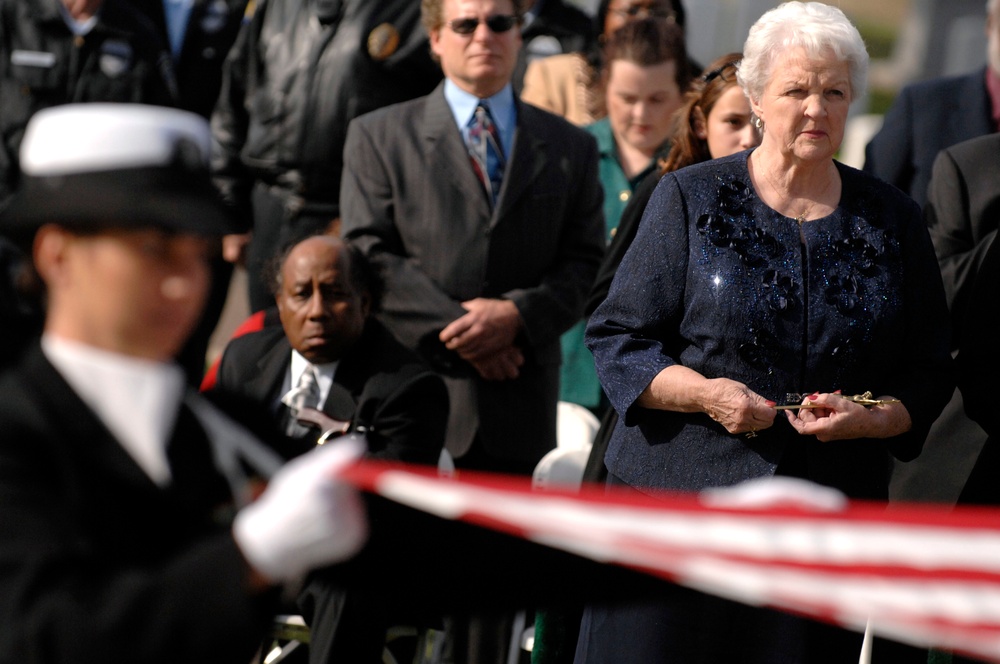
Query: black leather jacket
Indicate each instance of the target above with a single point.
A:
(299, 72)
(42, 64)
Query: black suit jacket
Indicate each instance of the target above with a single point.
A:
(978, 364)
(211, 31)
(962, 213)
(381, 387)
(98, 563)
(925, 118)
(410, 200)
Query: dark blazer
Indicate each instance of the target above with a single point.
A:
(410, 200)
(96, 561)
(978, 365)
(925, 118)
(384, 390)
(962, 214)
(211, 30)
(979, 358)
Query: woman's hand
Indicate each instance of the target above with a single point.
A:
(730, 403)
(736, 407)
(842, 419)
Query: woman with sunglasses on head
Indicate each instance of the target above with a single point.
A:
(570, 84)
(777, 313)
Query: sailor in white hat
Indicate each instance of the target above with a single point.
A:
(118, 488)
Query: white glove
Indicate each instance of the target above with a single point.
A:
(307, 517)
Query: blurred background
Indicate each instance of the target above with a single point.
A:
(908, 40)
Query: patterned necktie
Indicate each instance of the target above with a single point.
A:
(304, 395)
(486, 152)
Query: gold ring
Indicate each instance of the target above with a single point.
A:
(752, 433)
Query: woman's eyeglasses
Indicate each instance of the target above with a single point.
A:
(498, 24)
(721, 72)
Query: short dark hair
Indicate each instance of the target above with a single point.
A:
(364, 275)
(648, 42)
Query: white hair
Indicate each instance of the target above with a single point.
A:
(813, 26)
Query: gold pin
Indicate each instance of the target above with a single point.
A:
(383, 41)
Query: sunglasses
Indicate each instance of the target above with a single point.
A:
(497, 24)
(721, 73)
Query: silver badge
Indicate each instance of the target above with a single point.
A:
(216, 15)
(115, 58)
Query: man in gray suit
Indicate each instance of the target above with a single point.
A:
(485, 217)
(480, 278)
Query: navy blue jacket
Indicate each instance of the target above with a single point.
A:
(925, 118)
(718, 282)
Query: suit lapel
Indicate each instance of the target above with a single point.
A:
(448, 154)
(272, 366)
(528, 160)
(352, 373)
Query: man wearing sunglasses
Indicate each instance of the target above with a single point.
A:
(481, 276)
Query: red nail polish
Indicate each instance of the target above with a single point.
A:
(771, 403)
(814, 395)
(836, 392)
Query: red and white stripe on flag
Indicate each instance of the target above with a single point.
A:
(925, 575)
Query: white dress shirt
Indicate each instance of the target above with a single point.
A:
(137, 400)
(324, 374)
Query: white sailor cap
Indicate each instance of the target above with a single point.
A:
(94, 166)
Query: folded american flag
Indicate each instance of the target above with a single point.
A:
(925, 575)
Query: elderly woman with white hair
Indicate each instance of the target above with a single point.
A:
(778, 313)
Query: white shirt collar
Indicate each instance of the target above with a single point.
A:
(325, 373)
(137, 400)
(177, 13)
(78, 28)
